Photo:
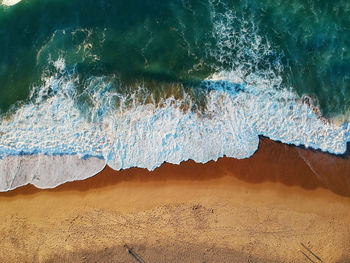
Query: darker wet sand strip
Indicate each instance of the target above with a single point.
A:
(285, 204)
(273, 162)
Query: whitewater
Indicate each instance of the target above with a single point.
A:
(49, 141)
(52, 138)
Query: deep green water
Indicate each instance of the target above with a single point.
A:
(136, 83)
(171, 42)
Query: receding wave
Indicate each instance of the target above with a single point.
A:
(147, 135)
(70, 129)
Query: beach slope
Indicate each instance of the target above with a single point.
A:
(270, 208)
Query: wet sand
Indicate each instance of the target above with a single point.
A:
(284, 204)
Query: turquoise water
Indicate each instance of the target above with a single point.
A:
(85, 83)
(170, 42)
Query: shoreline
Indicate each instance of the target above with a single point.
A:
(270, 208)
(307, 168)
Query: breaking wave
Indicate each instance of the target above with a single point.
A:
(147, 135)
(73, 133)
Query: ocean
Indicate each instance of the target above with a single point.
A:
(85, 83)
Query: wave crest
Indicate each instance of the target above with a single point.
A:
(147, 135)
(244, 99)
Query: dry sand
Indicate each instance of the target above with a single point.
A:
(285, 204)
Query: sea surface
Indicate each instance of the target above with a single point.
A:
(131, 83)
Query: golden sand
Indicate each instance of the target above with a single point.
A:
(285, 204)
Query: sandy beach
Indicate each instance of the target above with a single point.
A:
(174, 131)
(284, 204)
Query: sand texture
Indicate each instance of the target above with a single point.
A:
(270, 208)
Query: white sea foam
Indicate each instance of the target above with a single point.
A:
(242, 102)
(45, 171)
(146, 135)
(10, 2)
